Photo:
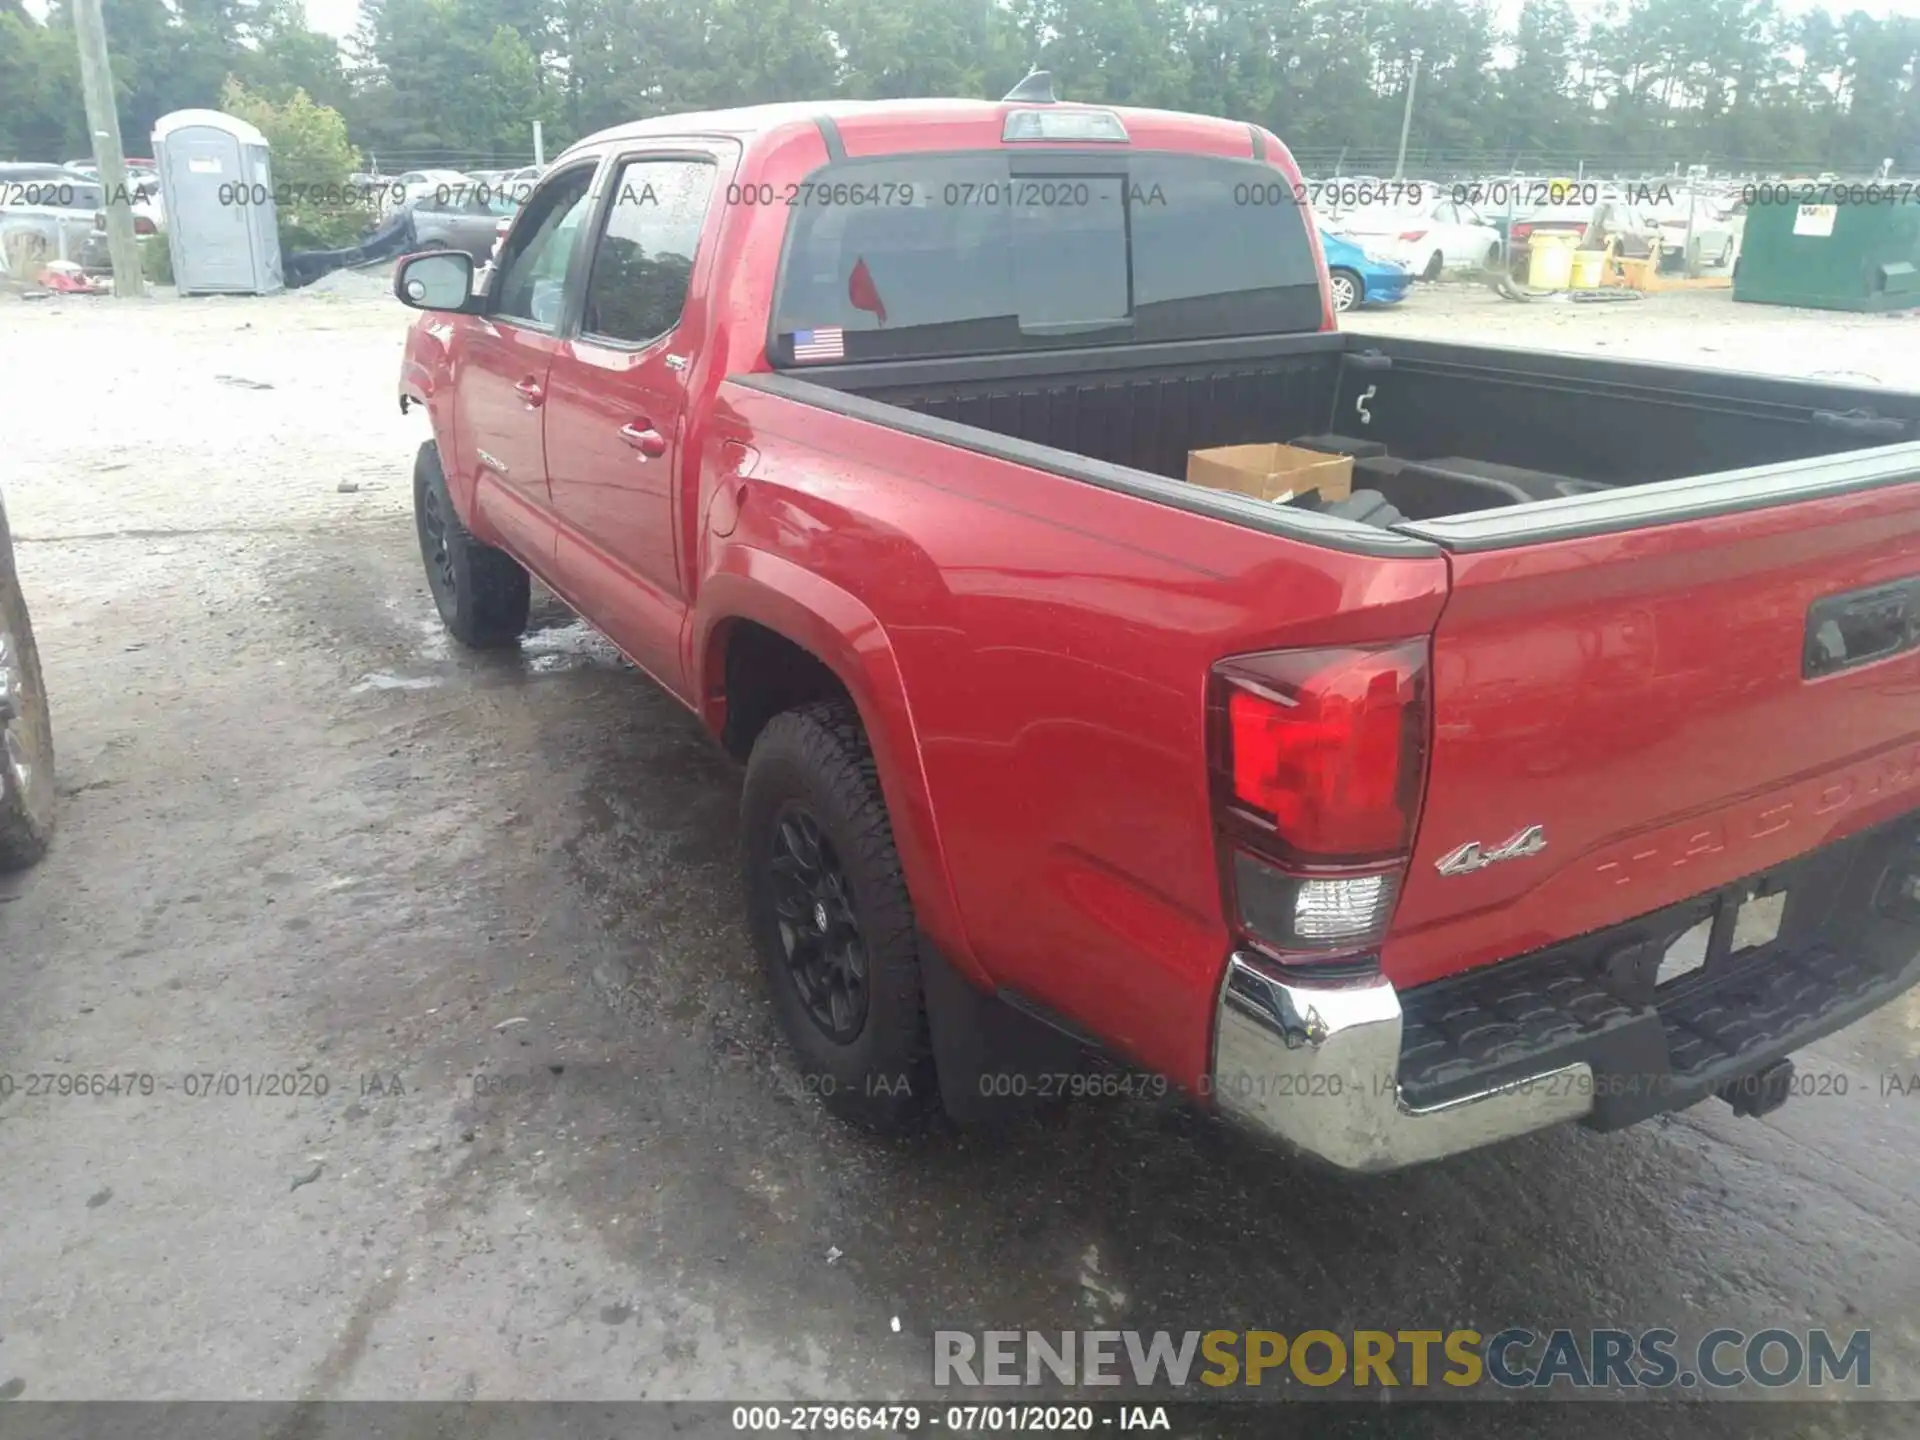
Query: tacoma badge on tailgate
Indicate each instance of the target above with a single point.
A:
(1471, 857)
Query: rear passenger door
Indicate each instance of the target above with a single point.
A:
(618, 403)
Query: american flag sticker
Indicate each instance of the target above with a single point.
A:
(828, 344)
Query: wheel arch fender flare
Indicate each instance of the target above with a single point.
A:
(427, 380)
(837, 628)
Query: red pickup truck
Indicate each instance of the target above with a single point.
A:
(1568, 768)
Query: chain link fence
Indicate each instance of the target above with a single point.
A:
(1447, 165)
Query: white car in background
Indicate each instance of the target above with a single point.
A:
(1716, 233)
(1440, 234)
(416, 184)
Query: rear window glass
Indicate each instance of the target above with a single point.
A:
(916, 256)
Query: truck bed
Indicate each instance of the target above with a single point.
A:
(1680, 711)
(1442, 430)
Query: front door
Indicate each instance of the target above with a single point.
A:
(616, 404)
(505, 359)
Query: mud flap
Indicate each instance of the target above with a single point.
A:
(991, 1056)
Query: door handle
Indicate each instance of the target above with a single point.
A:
(643, 437)
(530, 390)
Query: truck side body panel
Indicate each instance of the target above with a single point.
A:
(1053, 643)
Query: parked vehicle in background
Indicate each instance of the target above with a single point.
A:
(26, 729)
(416, 183)
(1640, 229)
(1714, 231)
(470, 220)
(141, 173)
(1440, 234)
(143, 196)
(148, 219)
(1588, 222)
(46, 212)
(1357, 275)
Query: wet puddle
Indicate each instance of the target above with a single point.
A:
(379, 680)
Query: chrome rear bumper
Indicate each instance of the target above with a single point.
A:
(1314, 1063)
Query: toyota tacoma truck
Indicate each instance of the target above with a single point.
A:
(1565, 768)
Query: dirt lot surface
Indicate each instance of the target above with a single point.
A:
(1701, 327)
(447, 1068)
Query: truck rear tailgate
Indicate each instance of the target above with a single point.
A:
(1661, 704)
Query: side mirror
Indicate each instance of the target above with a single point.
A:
(439, 280)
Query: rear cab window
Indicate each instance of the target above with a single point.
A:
(1001, 251)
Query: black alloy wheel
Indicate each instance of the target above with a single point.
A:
(819, 930)
(433, 544)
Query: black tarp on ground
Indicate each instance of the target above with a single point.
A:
(393, 237)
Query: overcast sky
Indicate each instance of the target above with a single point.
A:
(339, 17)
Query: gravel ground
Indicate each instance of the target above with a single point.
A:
(1700, 327)
(304, 838)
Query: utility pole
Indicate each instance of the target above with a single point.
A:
(103, 123)
(1406, 120)
(539, 146)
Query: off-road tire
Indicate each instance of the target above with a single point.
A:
(26, 815)
(815, 761)
(483, 594)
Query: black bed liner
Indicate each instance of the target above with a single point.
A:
(1557, 445)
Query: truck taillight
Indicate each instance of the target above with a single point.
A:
(1324, 748)
(1319, 758)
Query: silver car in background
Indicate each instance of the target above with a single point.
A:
(46, 213)
(471, 221)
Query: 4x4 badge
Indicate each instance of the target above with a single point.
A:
(1471, 856)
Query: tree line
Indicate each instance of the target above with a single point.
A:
(1736, 84)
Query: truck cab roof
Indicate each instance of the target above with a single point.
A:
(880, 127)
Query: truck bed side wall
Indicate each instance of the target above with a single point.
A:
(1143, 407)
(1600, 419)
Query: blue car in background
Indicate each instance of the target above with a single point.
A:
(1361, 278)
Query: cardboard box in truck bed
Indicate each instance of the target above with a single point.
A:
(1271, 472)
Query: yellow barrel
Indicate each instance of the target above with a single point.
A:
(1587, 268)
(1549, 261)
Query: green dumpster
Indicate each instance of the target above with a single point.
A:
(1860, 252)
